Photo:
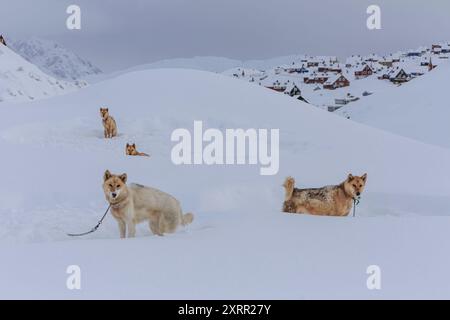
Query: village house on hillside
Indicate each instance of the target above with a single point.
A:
(346, 100)
(320, 79)
(445, 49)
(386, 63)
(296, 69)
(364, 73)
(277, 86)
(436, 48)
(293, 91)
(332, 69)
(2, 40)
(372, 58)
(414, 53)
(336, 82)
(312, 64)
(398, 77)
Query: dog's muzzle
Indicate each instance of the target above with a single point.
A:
(115, 194)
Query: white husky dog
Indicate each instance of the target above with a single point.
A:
(135, 203)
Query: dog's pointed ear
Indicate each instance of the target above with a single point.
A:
(350, 177)
(134, 145)
(107, 175)
(128, 144)
(364, 177)
(123, 177)
(107, 109)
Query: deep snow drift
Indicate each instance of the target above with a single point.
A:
(240, 245)
(418, 109)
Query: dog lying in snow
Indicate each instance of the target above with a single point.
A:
(109, 124)
(327, 201)
(135, 203)
(131, 150)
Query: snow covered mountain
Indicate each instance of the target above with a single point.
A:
(54, 59)
(22, 81)
(240, 245)
(418, 109)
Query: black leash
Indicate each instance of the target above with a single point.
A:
(93, 229)
(355, 203)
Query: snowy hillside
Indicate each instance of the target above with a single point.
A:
(219, 64)
(418, 109)
(23, 81)
(315, 78)
(204, 63)
(240, 244)
(54, 59)
(212, 64)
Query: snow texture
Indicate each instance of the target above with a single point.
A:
(240, 244)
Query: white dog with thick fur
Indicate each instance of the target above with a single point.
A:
(135, 203)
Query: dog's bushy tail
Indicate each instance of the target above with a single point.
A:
(288, 185)
(187, 218)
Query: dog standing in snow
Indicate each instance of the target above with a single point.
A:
(131, 150)
(109, 124)
(135, 203)
(334, 200)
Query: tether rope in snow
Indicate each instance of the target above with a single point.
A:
(93, 229)
(355, 203)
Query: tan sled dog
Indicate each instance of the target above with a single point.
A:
(327, 201)
(135, 203)
(109, 124)
(131, 150)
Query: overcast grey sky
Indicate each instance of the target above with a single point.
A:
(117, 34)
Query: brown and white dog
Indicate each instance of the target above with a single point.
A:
(109, 124)
(136, 203)
(334, 200)
(131, 150)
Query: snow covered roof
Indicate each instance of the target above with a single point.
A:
(334, 78)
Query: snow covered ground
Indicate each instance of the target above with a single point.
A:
(22, 81)
(240, 244)
(418, 109)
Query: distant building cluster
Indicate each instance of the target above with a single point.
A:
(318, 74)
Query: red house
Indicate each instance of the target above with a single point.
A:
(338, 82)
(364, 73)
